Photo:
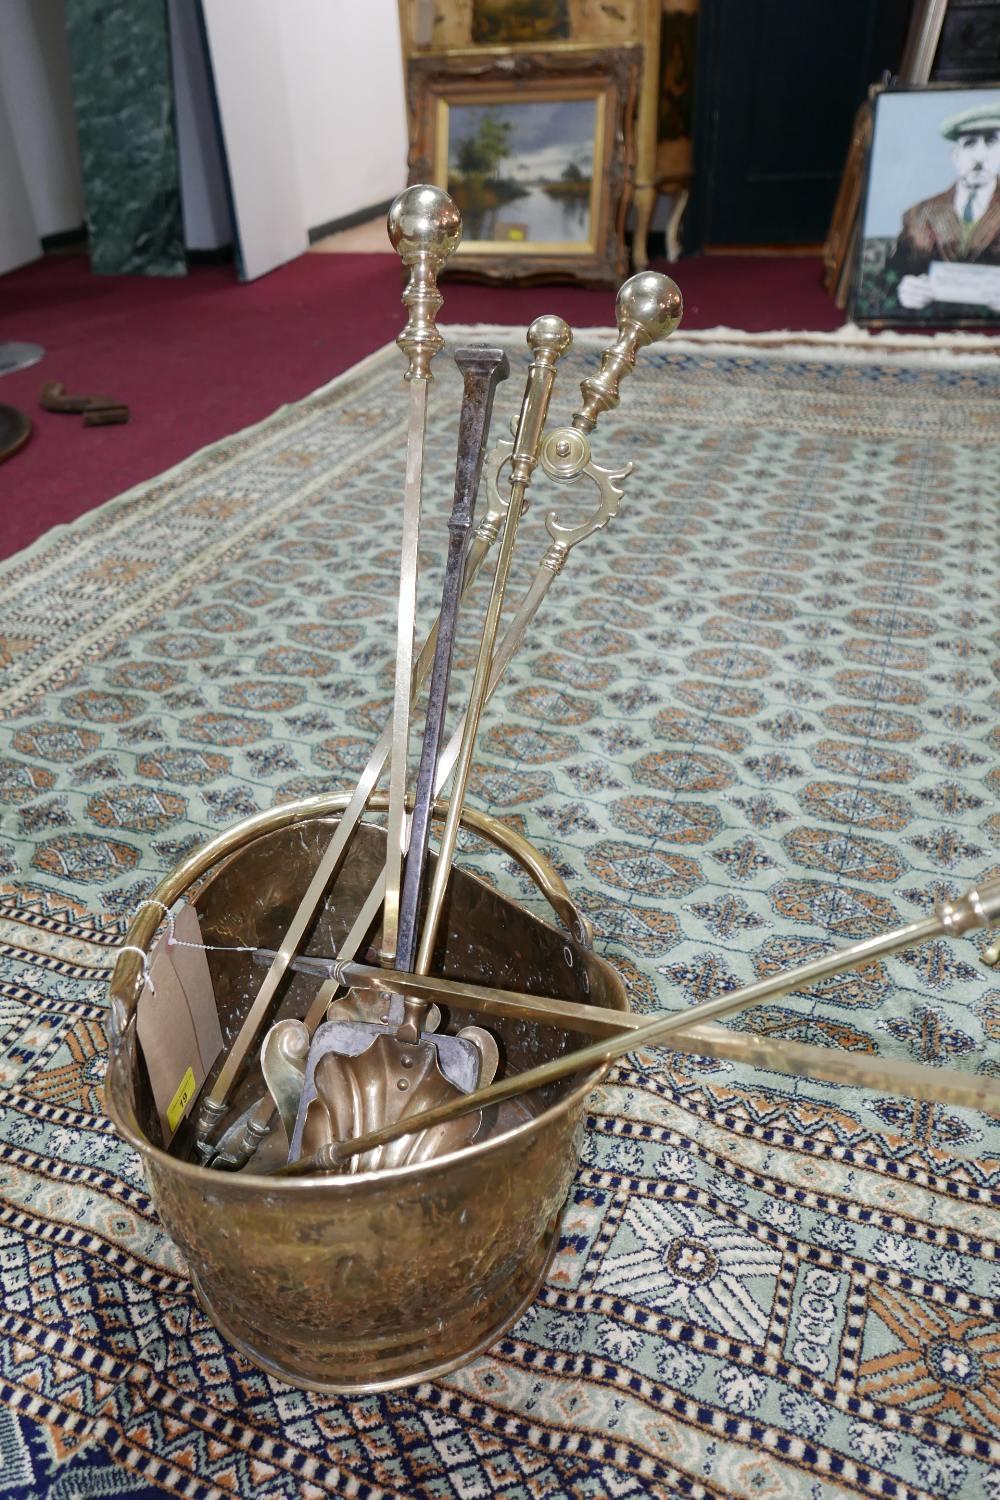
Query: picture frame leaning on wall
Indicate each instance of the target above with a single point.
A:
(930, 233)
(537, 150)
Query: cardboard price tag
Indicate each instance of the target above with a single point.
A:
(178, 1021)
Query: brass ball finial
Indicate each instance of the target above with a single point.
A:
(424, 227)
(423, 220)
(549, 336)
(548, 339)
(650, 303)
(649, 306)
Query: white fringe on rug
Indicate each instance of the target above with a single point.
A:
(849, 344)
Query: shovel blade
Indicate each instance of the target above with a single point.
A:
(358, 1077)
(376, 1077)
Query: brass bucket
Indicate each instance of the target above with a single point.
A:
(368, 1282)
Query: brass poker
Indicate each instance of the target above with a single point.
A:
(425, 226)
(774, 1054)
(977, 907)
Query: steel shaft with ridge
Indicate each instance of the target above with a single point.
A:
(482, 371)
(548, 339)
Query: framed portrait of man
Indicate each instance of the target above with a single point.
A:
(930, 238)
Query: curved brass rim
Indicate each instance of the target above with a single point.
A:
(127, 975)
(126, 978)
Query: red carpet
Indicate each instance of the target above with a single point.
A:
(202, 356)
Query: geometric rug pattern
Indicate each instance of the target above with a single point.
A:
(758, 715)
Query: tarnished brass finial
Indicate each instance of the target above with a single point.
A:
(649, 307)
(424, 227)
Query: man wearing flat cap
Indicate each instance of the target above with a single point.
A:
(962, 223)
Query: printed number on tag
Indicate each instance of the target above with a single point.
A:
(181, 1100)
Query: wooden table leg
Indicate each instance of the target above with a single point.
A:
(644, 203)
(674, 225)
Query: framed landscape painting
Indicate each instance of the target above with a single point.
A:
(930, 237)
(507, 22)
(536, 152)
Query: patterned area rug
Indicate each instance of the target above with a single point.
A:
(760, 714)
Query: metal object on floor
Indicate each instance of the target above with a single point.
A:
(15, 356)
(97, 411)
(15, 430)
(277, 1263)
(107, 416)
(54, 397)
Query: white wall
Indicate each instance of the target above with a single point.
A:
(18, 238)
(310, 97)
(345, 90)
(208, 222)
(245, 40)
(311, 94)
(37, 88)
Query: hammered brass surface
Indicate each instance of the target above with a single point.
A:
(363, 1282)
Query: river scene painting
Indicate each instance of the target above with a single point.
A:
(521, 173)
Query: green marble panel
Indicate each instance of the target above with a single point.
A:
(123, 94)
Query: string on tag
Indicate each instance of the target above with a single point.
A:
(173, 941)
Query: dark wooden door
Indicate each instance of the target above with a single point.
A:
(776, 88)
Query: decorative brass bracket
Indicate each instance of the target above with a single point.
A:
(565, 456)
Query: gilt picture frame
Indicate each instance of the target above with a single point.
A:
(537, 150)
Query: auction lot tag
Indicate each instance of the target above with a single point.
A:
(177, 1020)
